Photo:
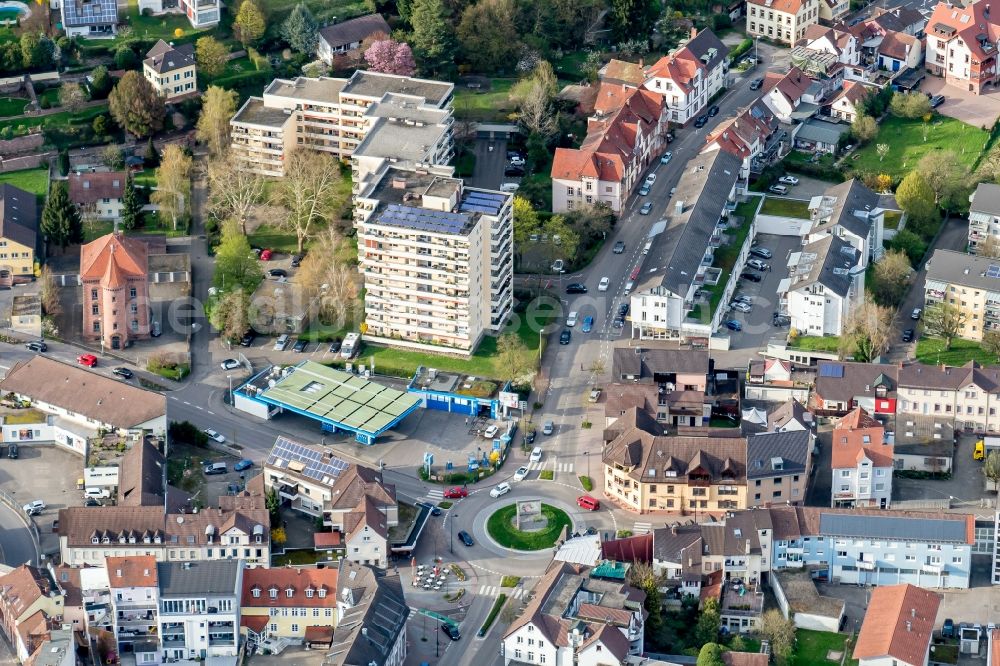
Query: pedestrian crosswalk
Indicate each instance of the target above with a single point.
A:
(552, 463)
(493, 590)
(433, 496)
(642, 528)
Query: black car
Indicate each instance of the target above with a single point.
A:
(618, 322)
(90, 501)
(713, 111)
(37, 346)
(936, 101)
(700, 122)
(529, 437)
(670, 137)
(451, 630)
(300, 346)
(619, 247)
(753, 277)
(296, 260)
(248, 338)
(12, 452)
(335, 346)
(124, 373)
(576, 288)
(278, 272)
(756, 84)
(623, 309)
(565, 336)
(465, 538)
(513, 171)
(908, 335)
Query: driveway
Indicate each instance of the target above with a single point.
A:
(967, 482)
(757, 327)
(488, 173)
(976, 110)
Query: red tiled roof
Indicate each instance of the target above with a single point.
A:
(630, 549)
(296, 579)
(113, 259)
(896, 45)
(899, 623)
(132, 571)
(255, 623)
(787, 6)
(681, 66)
(792, 85)
(88, 188)
(967, 22)
(857, 418)
(850, 445)
(319, 635)
(323, 540)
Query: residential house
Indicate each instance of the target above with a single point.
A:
(820, 136)
(887, 24)
(142, 479)
(30, 605)
(846, 106)
(790, 416)
(670, 276)
(753, 136)
(58, 649)
(98, 194)
(619, 145)
(89, 18)
(784, 94)
(969, 394)
(833, 41)
(924, 443)
(862, 462)
(984, 215)
(114, 272)
(689, 76)
(77, 404)
(18, 235)
(623, 73)
(771, 380)
(371, 618)
(199, 612)
(969, 283)
(172, 70)
(825, 284)
(135, 600)
(840, 387)
(287, 602)
(851, 212)
(898, 626)
(676, 555)
(905, 19)
(785, 20)
(68, 582)
(576, 616)
(899, 51)
(675, 369)
(345, 36)
(200, 13)
(962, 45)
(778, 467)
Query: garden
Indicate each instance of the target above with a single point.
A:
(501, 529)
(29, 180)
(932, 351)
(906, 143)
(785, 207)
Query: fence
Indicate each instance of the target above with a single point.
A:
(29, 522)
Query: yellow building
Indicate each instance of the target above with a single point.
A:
(28, 602)
(297, 603)
(171, 70)
(18, 235)
(969, 283)
(782, 20)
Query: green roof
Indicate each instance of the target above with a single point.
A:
(341, 397)
(610, 569)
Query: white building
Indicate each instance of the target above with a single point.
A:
(200, 13)
(898, 628)
(962, 42)
(345, 36)
(199, 612)
(783, 95)
(135, 600)
(172, 70)
(784, 20)
(689, 76)
(850, 211)
(862, 463)
(984, 214)
(825, 284)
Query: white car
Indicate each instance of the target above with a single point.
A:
(520, 473)
(509, 187)
(536, 454)
(517, 161)
(557, 265)
(491, 432)
(501, 489)
(230, 364)
(650, 179)
(603, 284)
(666, 157)
(34, 508)
(571, 319)
(215, 436)
(741, 306)
(788, 180)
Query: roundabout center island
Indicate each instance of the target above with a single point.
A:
(528, 525)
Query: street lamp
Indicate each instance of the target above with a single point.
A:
(451, 547)
(231, 401)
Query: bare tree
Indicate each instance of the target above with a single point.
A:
(234, 190)
(867, 331)
(535, 112)
(989, 247)
(49, 293)
(945, 321)
(309, 192)
(328, 275)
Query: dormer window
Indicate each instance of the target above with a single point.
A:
(273, 592)
(106, 540)
(289, 592)
(94, 540)
(309, 592)
(322, 592)
(256, 592)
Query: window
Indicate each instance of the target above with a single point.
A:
(256, 592)
(295, 628)
(273, 592)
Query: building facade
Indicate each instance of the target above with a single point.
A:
(690, 76)
(200, 13)
(340, 38)
(969, 283)
(199, 611)
(824, 286)
(862, 463)
(171, 70)
(962, 44)
(984, 215)
(135, 601)
(98, 195)
(285, 602)
(18, 235)
(371, 618)
(782, 20)
(114, 271)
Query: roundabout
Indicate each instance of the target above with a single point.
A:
(527, 525)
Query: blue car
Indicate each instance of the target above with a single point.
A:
(734, 325)
(242, 465)
(588, 324)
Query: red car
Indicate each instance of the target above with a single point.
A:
(88, 360)
(456, 493)
(265, 255)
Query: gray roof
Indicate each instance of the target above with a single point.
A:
(376, 84)
(644, 363)
(253, 112)
(821, 131)
(828, 262)
(403, 129)
(848, 205)
(323, 89)
(677, 251)
(788, 411)
(163, 57)
(708, 48)
(677, 543)
(376, 606)
(928, 530)
(78, 13)
(777, 453)
(203, 578)
(18, 215)
(354, 31)
(986, 199)
(967, 270)
(842, 382)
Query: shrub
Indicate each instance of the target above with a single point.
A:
(497, 605)
(546, 475)
(740, 49)
(587, 483)
(185, 432)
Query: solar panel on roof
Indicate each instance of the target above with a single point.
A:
(424, 219)
(315, 464)
(831, 370)
(473, 208)
(993, 271)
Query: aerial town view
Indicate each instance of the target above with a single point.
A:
(499, 332)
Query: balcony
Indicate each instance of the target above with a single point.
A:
(741, 601)
(935, 569)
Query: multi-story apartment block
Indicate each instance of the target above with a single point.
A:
(970, 394)
(114, 273)
(984, 215)
(576, 616)
(689, 76)
(135, 600)
(969, 283)
(18, 235)
(849, 211)
(171, 70)
(371, 618)
(335, 115)
(437, 259)
(825, 284)
(778, 467)
(288, 602)
(199, 612)
(667, 385)
(898, 627)
(862, 462)
(669, 278)
(783, 20)
(962, 42)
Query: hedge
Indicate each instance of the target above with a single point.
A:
(740, 49)
(497, 605)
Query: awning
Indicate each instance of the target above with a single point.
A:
(784, 285)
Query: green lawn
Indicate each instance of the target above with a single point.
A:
(892, 218)
(812, 647)
(158, 27)
(725, 256)
(905, 139)
(785, 207)
(485, 105)
(145, 178)
(272, 238)
(570, 66)
(823, 343)
(52, 95)
(30, 180)
(63, 119)
(12, 106)
(932, 352)
(500, 527)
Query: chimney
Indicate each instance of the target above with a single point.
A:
(694, 32)
(642, 60)
(909, 626)
(748, 546)
(673, 529)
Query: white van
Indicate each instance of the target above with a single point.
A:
(350, 346)
(646, 247)
(96, 493)
(281, 342)
(628, 287)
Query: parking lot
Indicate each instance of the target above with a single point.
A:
(976, 110)
(966, 484)
(757, 326)
(186, 470)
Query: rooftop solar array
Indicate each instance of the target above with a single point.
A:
(316, 463)
(424, 219)
(831, 370)
(347, 400)
(483, 202)
(993, 271)
(890, 528)
(93, 12)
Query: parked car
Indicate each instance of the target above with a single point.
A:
(230, 364)
(761, 252)
(713, 111)
(604, 284)
(667, 156)
(96, 493)
(450, 629)
(124, 373)
(88, 360)
(12, 451)
(215, 435)
(300, 345)
(513, 172)
(576, 288)
(623, 309)
(34, 507)
(548, 428)
(650, 179)
(778, 189)
(278, 273)
(509, 187)
(536, 454)
(281, 344)
(595, 395)
(948, 628)
(936, 101)
(700, 121)
(491, 431)
(565, 336)
(464, 537)
(646, 208)
(644, 190)
(265, 255)
(242, 465)
(789, 180)
(619, 247)
(734, 325)
(753, 277)
(297, 260)
(520, 473)
(743, 298)
(456, 492)
(335, 346)
(37, 346)
(757, 265)
(571, 319)
(248, 338)
(669, 137)
(756, 84)
(588, 324)
(90, 501)
(618, 322)
(500, 489)
(739, 306)
(908, 335)
(517, 160)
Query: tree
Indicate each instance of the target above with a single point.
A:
(71, 96)
(100, 82)
(891, 278)
(512, 357)
(131, 210)
(642, 576)
(568, 240)
(125, 57)
(172, 195)
(218, 106)
(233, 189)
(37, 50)
(710, 655)
(867, 331)
(151, 158)
(991, 342)
(309, 192)
(273, 504)
(864, 128)
(991, 468)
(495, 48)
(212, 56)
(915, 197)
(737, 644)
(526, 221)
(231, 314)
(632, 18)
(535, 112)
(49, 293)
(136, 105)
(64, 160)
(326, 276)
(60, 218)
(709, 623)
(947, 177)
(779, 631)
(883, 183)
(113, 157)
(944, 320)
(882, 149)
(100, 125)
(910, 105)
(433, 39)
(300, 30)
(235, 263)
(391, 57)
(250, 23)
